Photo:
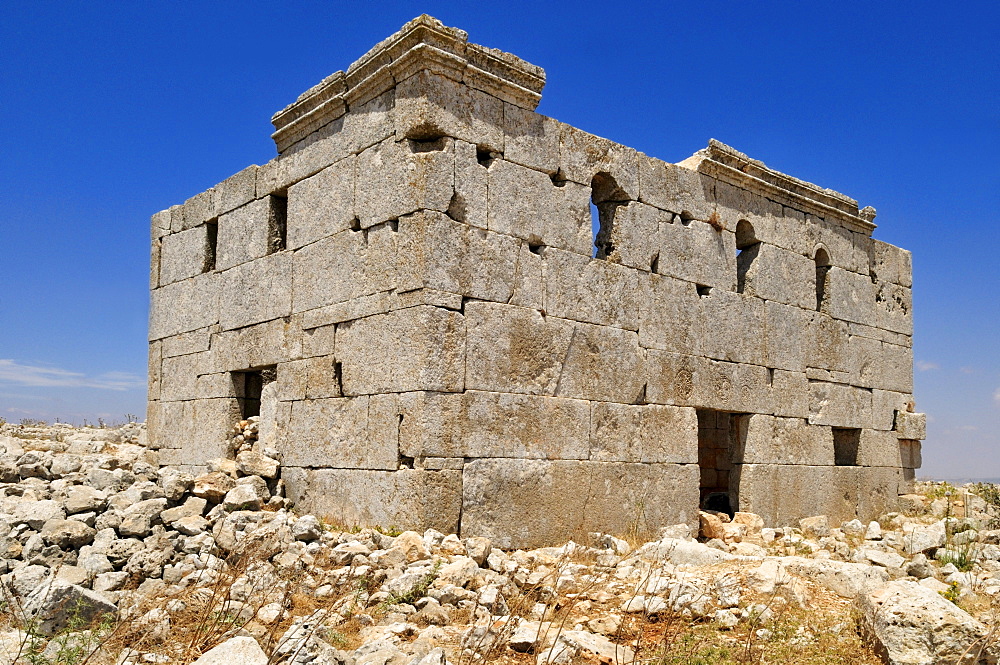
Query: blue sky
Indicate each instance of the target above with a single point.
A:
(112, 111)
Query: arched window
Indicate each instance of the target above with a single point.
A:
(747, 248)
(822, 261)
(605, 197)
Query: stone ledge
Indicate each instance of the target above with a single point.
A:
(422, 44)
(732, 166)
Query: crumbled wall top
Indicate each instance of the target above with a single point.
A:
(422, 44)
(732, 166)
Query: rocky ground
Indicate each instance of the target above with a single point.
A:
(109, 558)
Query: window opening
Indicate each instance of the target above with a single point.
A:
(822, 261)
(249, 386)
(211, 244)
(277, 219)
(605, 199)
(747, 249)
(846, 442)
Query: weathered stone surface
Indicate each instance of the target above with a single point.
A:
(649, 433)
(246, 233)
(243, 650)
(616, 496)
(428, 100)
(526, 204)
(321, 205)
(257, 291)
(336, 433)
(485, 424)
(777, 275)
(374, 362)
(400, 177)
(602, 363)
(514, 349)
(839, 405)
(439, 253)
(697, 252)
(770, 440)
(908, 624)
(582, 289)
(183, 306)
(54, 603)
(405, 498)
(184, 255)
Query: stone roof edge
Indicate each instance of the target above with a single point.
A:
(732, 166)
(422, 44)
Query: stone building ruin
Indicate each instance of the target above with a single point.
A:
(413, 300)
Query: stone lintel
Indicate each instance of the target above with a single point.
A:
(422, 44)
(721, 161)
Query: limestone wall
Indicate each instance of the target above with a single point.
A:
(418, 268)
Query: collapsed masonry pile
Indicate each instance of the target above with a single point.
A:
(216, 569)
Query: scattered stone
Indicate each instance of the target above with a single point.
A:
(242, 650)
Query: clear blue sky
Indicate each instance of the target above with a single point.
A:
(112, 111)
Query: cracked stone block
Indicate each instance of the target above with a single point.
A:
(487, 424)
(257, 291)
(322, 204)
(570, 499)
(409, 498)
(514, 349)
(643, 433)
(396, 178)
(184, 255)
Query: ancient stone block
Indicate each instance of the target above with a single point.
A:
(694, 381)
(184, 255)
(193, 341)
(196, 430)
(334, 433)
(374, 361)
(783, 494)
(839, 405)
(183, 306)
(322, 204)
(591, 291)
(442, 254)
(257, 291)
(669, 314)
(604, 364)
(732, 327)
(864, 361)
(245, 234)
(911, 425)
(348, 265)
(323, 377)
(778, 275)
(788, 336)
(527, 204)
(530, 139)
(396, 178)
(470, 202)
(827, 347)
(197, 210)
(319, 341)
(329, 145)
(632, 236)
(909, 452)
(890, 264)
(643, 433)
(849, 296)
(180, 375)
(429, 105)
(485, 424)
(896, 365)
(697, 252)
(675, 188)
(159, 224)
(529, 277)
(878, 448)
(770, 440)
(514, 349)
(236, 190)
(583, 155)
(154, 370)
(570, 499)
(408, 498)
(790, 391)
(259, 345)
(893, 309)
(885, 404)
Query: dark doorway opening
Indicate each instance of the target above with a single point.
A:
(719, 446)
(249, 385)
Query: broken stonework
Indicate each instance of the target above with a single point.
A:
(415, 302)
